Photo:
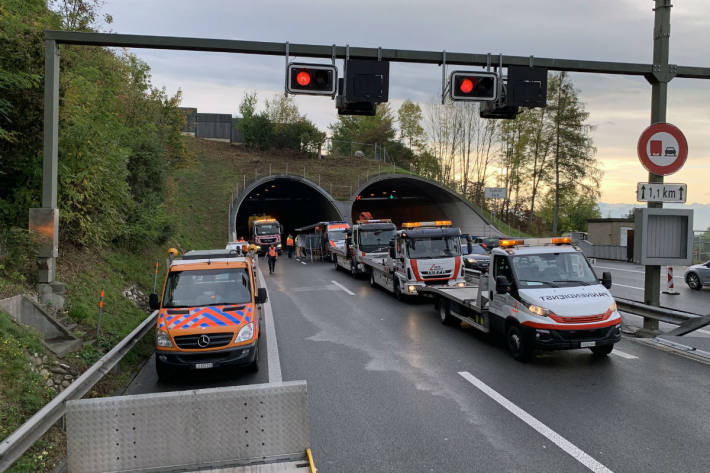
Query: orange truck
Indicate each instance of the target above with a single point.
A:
(208, 313)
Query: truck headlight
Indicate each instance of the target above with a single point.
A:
(163, 339)
(460, 284)
(537, 310)
(278, 246)
(411, 289)
(245, 333)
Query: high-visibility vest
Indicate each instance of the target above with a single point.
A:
(289, 241)
(272, 252)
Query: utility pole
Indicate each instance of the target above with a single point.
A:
(659, 94)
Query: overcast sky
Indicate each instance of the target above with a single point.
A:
(613, 30)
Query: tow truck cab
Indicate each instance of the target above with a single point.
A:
(425, 254)
(544, 294)
(208, 315)
(368, 238)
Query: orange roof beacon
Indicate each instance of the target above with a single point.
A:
(208, 314)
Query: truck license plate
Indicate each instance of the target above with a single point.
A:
(587, 344)
(202, 366)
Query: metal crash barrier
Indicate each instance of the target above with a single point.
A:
(230, 427)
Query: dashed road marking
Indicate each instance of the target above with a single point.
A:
(630, 287)
(622, 354)
(567, 446)
(343, 288)
(272, 350)
(303, 262)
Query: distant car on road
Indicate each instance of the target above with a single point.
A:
(478, 259)
(698, 275)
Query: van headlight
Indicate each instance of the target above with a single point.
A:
(163, 339)
(245, 333)
(612, 307)
(537, 310)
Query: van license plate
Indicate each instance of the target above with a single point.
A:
(202, 366)
(587, 344)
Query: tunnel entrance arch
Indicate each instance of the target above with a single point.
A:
(293, 200)
(404, 198)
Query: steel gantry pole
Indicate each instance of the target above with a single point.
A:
(662, 74)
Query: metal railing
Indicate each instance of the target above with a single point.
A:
(17, 443)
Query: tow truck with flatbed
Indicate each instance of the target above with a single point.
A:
(421, 254)
(539, 294)
(367, 239)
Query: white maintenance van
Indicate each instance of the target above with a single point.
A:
(422, 254)
(540, 294)
(367, 239)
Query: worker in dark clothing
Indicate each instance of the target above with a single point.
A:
(272, 255)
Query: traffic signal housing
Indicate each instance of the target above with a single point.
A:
(473, 86)
(311, 79)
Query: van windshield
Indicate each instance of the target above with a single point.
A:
(336, 235)
(207, 287)
(440, 247)
(553, 270)
(375, 240)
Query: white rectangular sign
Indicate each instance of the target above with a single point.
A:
(494, 192)
(666, 192)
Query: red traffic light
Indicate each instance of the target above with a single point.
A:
(314, 79)
(467, 85)
(474, 86)
(303, 78)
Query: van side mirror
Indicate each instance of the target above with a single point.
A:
(391, 246)
(261, 296)
(502, 285)
(606, 279)
(153, 302)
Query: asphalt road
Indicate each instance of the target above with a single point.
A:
(393, 390)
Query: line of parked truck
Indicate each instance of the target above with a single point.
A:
(538, 293)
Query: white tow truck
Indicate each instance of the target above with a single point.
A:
(422, 254)
(540, 294)
(367, 239)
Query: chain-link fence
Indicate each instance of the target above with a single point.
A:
(701, 246)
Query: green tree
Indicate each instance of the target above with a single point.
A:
(364, 129)
(573, 153)
(410, 124)
(282, 110)
(574, 210)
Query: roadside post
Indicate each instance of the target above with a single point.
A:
(670, 290)
(101, 311)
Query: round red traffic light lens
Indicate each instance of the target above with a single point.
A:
(303, 78)
(466, 86)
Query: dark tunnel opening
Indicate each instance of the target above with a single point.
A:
(408, 199)
(292, 202)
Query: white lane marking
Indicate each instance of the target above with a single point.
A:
(343, 288)
(567, 446)
(622, 354)
(272, 350)
(629, 270)
(703, 331)
(303, 262)
(630, 287)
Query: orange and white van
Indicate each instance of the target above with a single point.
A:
(208, 313)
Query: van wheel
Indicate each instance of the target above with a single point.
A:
(253, 367)
(335, 264)
(518, 347)
(445, 313)
(372, 279)
(165, 372)
(602, 350)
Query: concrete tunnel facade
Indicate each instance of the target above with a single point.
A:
(297, 202)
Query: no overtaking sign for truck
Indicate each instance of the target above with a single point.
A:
(662, 149)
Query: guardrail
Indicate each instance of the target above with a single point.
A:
(28, 433)
(662, 314)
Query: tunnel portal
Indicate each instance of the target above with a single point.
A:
(412, 199)
(293, 201)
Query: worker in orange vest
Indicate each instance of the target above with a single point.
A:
(289, 245)
(272, 254)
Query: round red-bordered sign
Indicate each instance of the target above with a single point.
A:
(662, 149)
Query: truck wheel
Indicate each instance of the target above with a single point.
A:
(518, 347)
(398, 291)
(165, 372)
(602, 350)
(335, 264)
(353, 269)
(445, 313)
(372, 279)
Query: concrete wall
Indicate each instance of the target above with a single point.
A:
(214, 125)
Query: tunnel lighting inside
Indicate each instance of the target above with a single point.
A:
(294, 203)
